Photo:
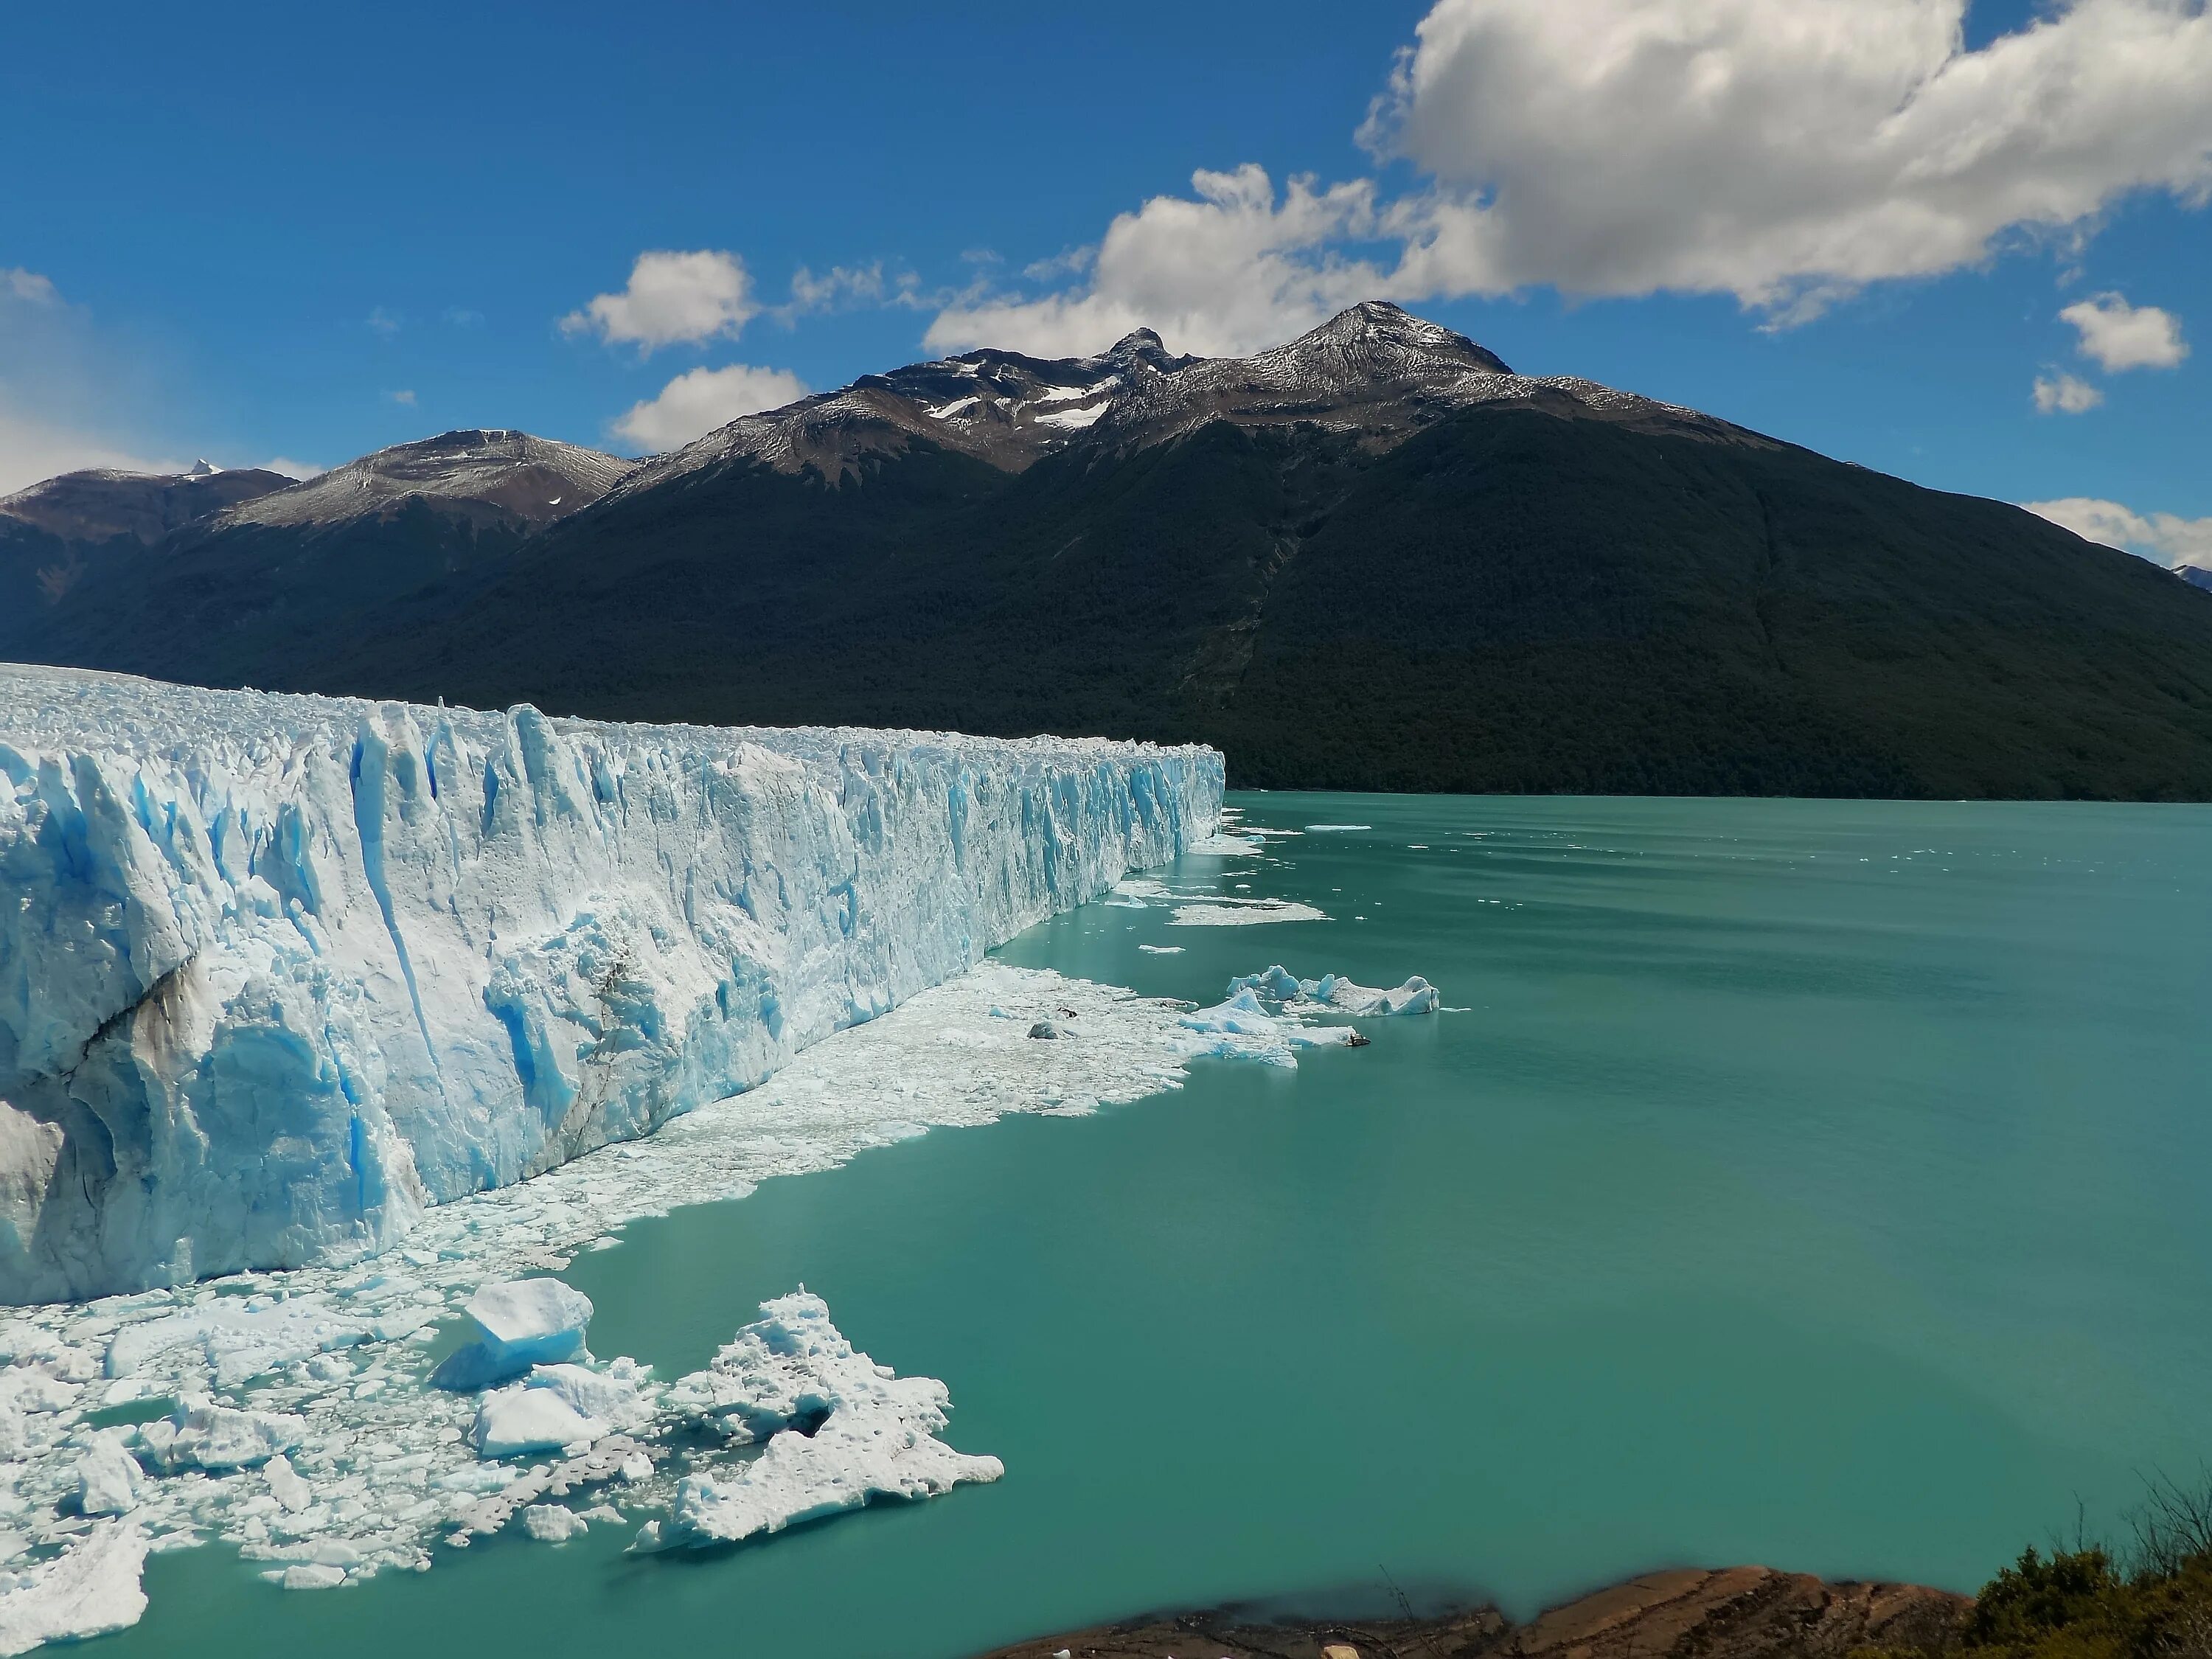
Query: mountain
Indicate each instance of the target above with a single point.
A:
(234, 592)
(1373, 557)
(54, 534)
(2196, 575)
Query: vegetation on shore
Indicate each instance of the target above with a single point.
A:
(2149, 1599)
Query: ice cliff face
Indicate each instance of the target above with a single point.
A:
(278, 972)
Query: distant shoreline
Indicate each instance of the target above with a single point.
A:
(1736, 1613)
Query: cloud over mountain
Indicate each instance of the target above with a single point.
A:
(671, 299)
(1784, 152)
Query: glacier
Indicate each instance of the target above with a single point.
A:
(278, 973)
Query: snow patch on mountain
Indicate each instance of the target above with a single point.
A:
(486, 474)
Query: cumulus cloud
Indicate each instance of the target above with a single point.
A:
(2064, 394)
(2164, 538)
(671, 299)
(694, 404)
(1786, 152)
(1779, 150)
(1237, 268)
(2121, 335)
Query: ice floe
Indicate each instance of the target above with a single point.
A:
(90, 1588)
(1232, 913)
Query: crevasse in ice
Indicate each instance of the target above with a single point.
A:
(277, 973)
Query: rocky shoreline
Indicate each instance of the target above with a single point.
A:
(1737, 1613)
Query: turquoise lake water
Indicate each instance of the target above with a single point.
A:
(1820, 1184)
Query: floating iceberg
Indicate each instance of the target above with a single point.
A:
(1277, 984)
(514, 1420)
(277, 974)
(90, 1588)
(839, 1430)
(200, 1434)
(108, 1477)
(532, 1321)
(1243, 912)
(1244, 1028)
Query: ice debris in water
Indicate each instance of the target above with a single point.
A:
(108, 1477)
(90, 1588)
(288, 972)
(1242, 1026)
(837, 1429)
(200, 1434)
(558, 1407)
(337, 1462)
(1226, 912)
(533, 1322)
(1277, 984)
(1272, 1012)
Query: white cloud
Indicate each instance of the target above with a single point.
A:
(1786, 152)
(383, 322)
(17, 283)
(1782, 151)
(2121, 335)
(2162, 538)
(673, 298)
(31, 449)
(406, 400)
(292, 468)
(2064, 394)
(1233, 270)
(697, 403)
(839, 284)
(55, 398)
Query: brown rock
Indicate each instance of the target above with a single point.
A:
(1740, 1613)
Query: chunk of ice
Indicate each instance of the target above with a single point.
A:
(90, 1588)
(552, 1523)
(202, 1435)
(840, 1429)
(530, 1322)
(519, 1419)
(108, 1477)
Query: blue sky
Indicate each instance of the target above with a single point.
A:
(254, 232)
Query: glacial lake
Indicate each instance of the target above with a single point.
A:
(1820, 1184)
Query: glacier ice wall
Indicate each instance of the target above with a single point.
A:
(278, 972)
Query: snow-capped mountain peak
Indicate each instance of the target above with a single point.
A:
(203, 468)
(1373, 372)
